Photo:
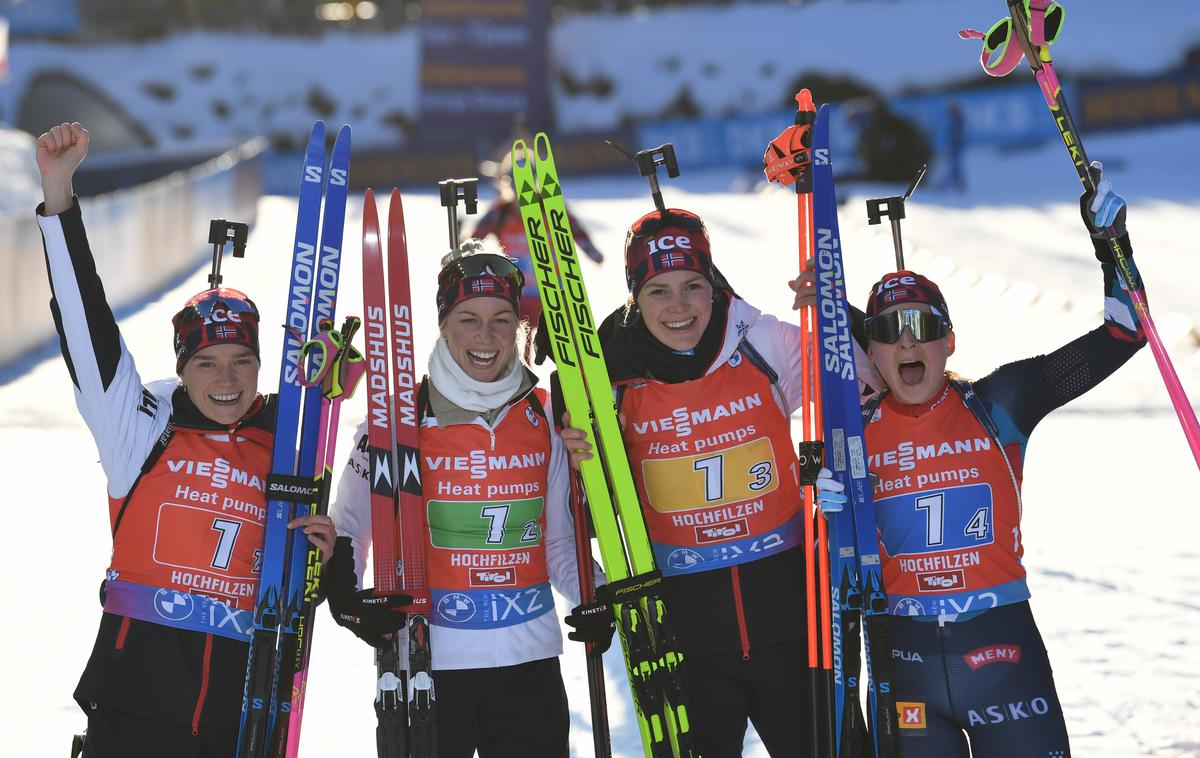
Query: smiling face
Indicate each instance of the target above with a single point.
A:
(676, 307)
(914, 371)
(482, 336)
(222, 381)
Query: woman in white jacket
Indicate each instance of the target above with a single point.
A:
(495, 483)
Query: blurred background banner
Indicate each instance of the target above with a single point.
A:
(483, 65)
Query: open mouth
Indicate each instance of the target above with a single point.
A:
(912, 372)
(483, 360)
(679, 325)
(226, 399)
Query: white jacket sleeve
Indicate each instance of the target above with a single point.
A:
(124, 417)
(560, 526)
(779, 344)
(351, 508)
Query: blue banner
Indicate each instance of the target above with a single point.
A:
(483, 65)
(41, 18)
(1140, 102)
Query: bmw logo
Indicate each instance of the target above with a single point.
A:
(456, 608)
(173, 605)
(683, 558)
(909, 607)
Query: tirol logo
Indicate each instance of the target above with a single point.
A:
(911, 715)
(941, 581)
(172, 605)
(456, 608)
(726, 530)
(983, 656)
(494, 577)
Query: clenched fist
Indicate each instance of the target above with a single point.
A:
(59, 152)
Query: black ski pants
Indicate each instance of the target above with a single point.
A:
(116, 734)
(769, 690)
(507, 712)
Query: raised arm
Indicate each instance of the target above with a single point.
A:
(124, 417)
(1030, 389)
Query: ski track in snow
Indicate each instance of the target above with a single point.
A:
(1110, 506)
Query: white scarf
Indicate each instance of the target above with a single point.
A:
(467, 393)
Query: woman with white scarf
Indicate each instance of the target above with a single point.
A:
(495, 483)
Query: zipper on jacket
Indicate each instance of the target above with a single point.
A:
(208, 639)
(121, 633)
(735, 579)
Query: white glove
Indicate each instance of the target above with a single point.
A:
(829, 492)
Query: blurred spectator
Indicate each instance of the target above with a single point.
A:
(891, 148)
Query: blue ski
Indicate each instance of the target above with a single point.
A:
(856, 577)
(295, 636)
(290, 487)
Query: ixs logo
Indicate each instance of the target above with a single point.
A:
(989, 654)
(1018, 710)
(941, 581)
(494, 577)
(910, 715)
(727, 530)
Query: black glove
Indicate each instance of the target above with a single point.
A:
(594, 622)
(370, 617)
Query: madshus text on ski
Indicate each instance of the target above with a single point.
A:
(808, 524)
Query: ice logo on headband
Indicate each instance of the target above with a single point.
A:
(221, 315)
(670, 242)
(896, 281)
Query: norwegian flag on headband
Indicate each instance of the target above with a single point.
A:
(902, 287)
(670, 260)
(454, 292)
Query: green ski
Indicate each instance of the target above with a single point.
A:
(652, 656)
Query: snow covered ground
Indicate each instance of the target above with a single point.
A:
(1111, 513)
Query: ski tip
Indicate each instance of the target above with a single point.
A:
(369, 196)
(541, 146)
(395, 197)
(520, 153)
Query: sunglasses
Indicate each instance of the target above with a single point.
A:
(1000, 55)
(923, 325)
(480, 264)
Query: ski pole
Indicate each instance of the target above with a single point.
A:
(1028, 24)
(788, 160)
(601, 739)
